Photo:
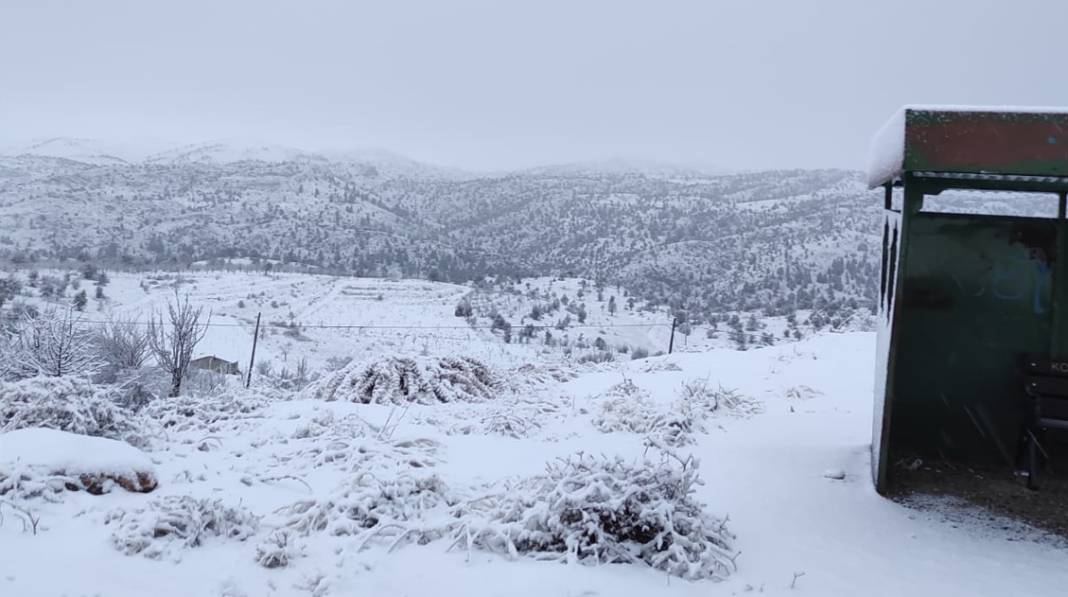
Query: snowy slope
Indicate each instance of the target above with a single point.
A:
(795, 524)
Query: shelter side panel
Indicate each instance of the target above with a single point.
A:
(976, 293)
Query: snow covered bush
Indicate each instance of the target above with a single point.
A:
(329, 426)
(120, 346)
(178, 522)
(211, 412)
(354, 454)
(582, 509)
(134, 389)
(399, 380)
(629, 409)
(70, 403)
(659, 365)
(532, 375)
(626, 407)
(601, 510)
(699, 397)
(802, 392)
(392, 509)
(277, 550)
(506, 423)
(515, 416)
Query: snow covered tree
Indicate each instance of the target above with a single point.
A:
(685, 328)
(173, 341)
(9, 287)
(50, 343)
(121, 345)
(80, 300)
(463, 309)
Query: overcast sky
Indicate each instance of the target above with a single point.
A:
(489, 85)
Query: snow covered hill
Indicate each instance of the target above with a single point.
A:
(285, 494)
(702, 243)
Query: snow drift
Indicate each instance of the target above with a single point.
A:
(39, 461)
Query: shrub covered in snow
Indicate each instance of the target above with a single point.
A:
(207, 412)
(400, 380)
(278, 549)
(582, 509)
(515, 416)
(629, 409)
(329, 426)
(532, 375)
(598, 510)
(394, 509)
(625, 407)
(357, 455)
(699, 397)
(71, 404)
(178, 522)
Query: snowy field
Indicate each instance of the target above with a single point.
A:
(327, 319)
(784, 458)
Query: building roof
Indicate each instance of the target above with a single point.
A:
(211, 357)
(981, 140)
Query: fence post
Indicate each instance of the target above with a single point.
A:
(671, 343)
(252, 359)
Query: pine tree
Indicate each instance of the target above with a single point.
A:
(80, 300)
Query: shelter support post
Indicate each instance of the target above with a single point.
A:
(1059, 339)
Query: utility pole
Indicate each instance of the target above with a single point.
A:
(671, 343)
(252, 359)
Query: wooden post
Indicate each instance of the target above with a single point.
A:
(671, 343)
(252, 359)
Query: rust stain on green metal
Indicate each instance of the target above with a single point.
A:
(1020, 143)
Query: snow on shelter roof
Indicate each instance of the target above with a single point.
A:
(1028, 141)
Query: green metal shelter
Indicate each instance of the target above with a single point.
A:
(963, 295)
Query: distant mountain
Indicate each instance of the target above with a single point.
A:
(700, 241)
(621, 166)
(225, 153)
(87, 151)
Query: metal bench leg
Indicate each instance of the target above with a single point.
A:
(1032, 461)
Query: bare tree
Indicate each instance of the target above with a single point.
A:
(121, 345)
(51, 343)
(173, 342)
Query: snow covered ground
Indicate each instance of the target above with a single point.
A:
(325, 318)
(789, 466)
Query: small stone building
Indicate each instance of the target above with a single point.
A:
(214, 363)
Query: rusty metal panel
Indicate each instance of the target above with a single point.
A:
(1021, 143)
